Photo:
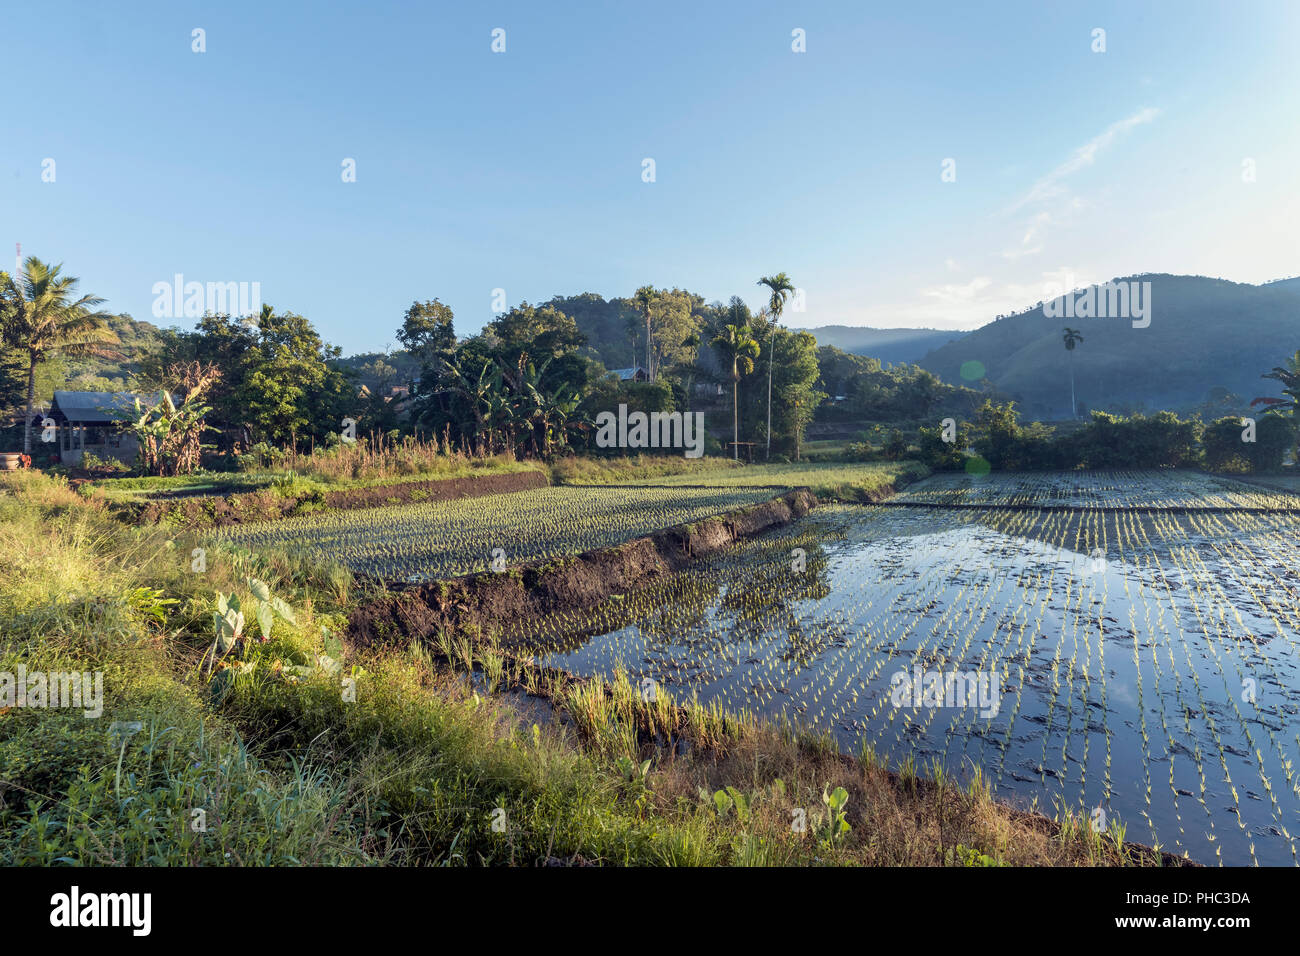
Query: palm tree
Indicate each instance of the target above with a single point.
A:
(41, 319)
(1072, 338)
(735, 342)
(781, 287)
(1290, 379)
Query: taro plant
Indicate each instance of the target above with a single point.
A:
(328, 663)
(267, 607)
(229, 622)
(837, 824)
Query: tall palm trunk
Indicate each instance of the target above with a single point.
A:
(1074, 408)
(771, 356)
(735, 411)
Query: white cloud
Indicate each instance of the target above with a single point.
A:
(1050, 199)
(959, 295)
(1051, 187)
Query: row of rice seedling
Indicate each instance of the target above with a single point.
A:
(1094, 489)
(417, 543)
(1146, 661)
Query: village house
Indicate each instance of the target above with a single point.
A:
(634, 374)
(88, 422)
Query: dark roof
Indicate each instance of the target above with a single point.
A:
(98, 408)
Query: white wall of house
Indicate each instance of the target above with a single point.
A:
(116, 446)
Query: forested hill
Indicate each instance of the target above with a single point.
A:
(1205, 334)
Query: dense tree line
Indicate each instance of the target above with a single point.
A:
(532, 382)
(995, 439)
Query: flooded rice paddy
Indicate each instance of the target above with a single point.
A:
(1143, 663)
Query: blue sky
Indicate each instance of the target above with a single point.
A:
(522, 170)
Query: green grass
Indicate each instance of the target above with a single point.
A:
(828, 450)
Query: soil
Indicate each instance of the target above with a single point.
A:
(504, 601)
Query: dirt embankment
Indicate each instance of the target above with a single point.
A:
(266, 505)
(502, 601)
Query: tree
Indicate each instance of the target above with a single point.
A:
(290, 390)
(671, 327)
(427, 331)
(41, 318)
(220, 341)
(738, 347)
(795, 388)
(480, 392)
(780, 287)
(1289, 407)
(538, 332)
(644, 299)
(1072, 338)
(378, 414)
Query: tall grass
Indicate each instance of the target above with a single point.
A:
(380, 457)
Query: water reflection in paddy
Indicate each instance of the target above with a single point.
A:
(1146, 664)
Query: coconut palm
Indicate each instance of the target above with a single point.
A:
(41, 318)
(735, 342)
(1072, 338)
(780, 287)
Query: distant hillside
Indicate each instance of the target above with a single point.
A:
(1289, 285)
(1204, 334)
(92, 373)
(888, 345)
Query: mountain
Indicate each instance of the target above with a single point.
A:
(1289, 285)
(89, 372)
(1203, 334)
(888, 345)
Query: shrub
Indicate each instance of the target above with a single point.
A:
(940, 455)
(1157, 441)
(1224, 449)
(1274, 437)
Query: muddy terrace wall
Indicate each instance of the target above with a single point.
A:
(504, 601)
